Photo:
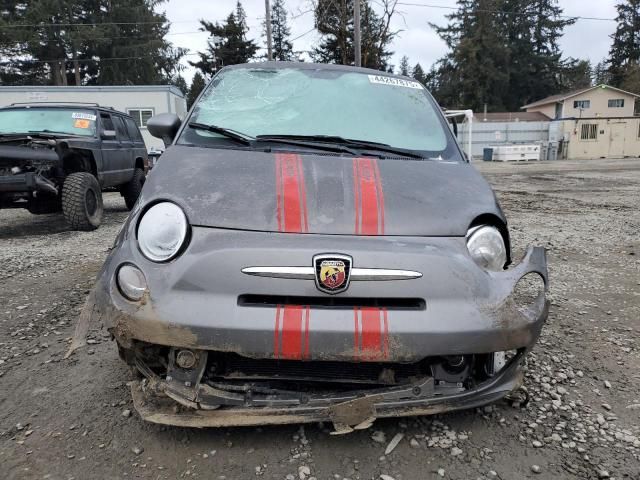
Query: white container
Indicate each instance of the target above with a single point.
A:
(516, 153)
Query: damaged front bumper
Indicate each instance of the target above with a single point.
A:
(442, 330)
(204, 406)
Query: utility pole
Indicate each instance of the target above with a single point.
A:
(356, 33)
(268, 23)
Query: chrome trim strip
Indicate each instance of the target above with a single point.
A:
(308, 273)
(382, 274)
(294, 273)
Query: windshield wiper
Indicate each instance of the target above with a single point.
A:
(304, 142)
(225, 132)
(359, 144)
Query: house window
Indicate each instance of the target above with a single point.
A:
(589, 131)
(616, 103)
(582, 104)
(140, 115)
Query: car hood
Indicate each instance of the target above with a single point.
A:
(320, 193)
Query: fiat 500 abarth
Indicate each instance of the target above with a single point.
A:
(313, 245)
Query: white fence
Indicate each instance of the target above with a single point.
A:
(485, 134)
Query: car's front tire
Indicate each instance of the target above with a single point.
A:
(131, 190)
(82, 201)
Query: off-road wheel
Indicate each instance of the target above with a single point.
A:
(131, 190)
(82, 201)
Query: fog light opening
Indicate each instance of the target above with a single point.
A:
(186, 359)
(131, 282)
(528, 290)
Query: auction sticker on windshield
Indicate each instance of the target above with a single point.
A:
(83, 116)
(396, 82)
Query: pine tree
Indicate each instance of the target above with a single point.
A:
(404, 66)
(418, 73)
(601, 74)
(179, 82)
(503, 53)
(576, 74)
(125, 45)
(334, 21)
(197, 85)
(280, 32)
(227, 44)
(625, 50)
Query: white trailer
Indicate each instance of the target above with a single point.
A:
(140, 101)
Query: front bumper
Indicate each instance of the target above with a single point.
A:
(196, 301)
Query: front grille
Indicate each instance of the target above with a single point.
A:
(231, 366)
(332, 302)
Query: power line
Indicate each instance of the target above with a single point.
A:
(304, 34)
(445, 7)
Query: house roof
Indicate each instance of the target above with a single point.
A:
(564, 96)
(512, 117)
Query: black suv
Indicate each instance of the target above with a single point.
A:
(61, 156)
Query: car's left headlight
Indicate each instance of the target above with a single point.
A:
(486, 247)
(162, 231)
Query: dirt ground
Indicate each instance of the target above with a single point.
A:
(64, 419)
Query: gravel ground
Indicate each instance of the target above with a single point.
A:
(63, 419)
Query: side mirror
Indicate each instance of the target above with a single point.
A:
(164, 126)
(108, 135)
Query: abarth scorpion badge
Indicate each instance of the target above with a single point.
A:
(332, 272)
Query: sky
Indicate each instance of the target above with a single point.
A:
(588, 39)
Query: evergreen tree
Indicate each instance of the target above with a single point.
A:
(404, 66)
(227, 44)
(197, 85)
(179, 82)
(86, 42)
(503, 53)
(334, 21)
(601, 74)
(576, 74)
(418, 73)
(625, 50)
(280, 32)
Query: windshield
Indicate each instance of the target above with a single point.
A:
(311, 102)
(49, 120)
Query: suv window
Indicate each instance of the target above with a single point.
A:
(121, 129)
(107, 123)
(134, 133)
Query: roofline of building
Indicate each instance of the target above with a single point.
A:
(544, 101)
(575, 119)
(93, 88)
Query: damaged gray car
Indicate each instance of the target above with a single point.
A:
(314, 246)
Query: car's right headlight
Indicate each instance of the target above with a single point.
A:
(162, 231)
(486, 247)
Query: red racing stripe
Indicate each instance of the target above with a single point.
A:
(371, 334)
(291, 337)
(291, 194)
(291, 332)
(368, 197)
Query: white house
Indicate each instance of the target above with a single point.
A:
(140, 101)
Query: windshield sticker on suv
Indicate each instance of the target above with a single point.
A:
(83, 116)
(81, 123)
(395, 82)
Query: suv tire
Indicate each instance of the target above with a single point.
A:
(82, 201)
(131, 190)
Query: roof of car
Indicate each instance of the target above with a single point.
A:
(315, 66)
